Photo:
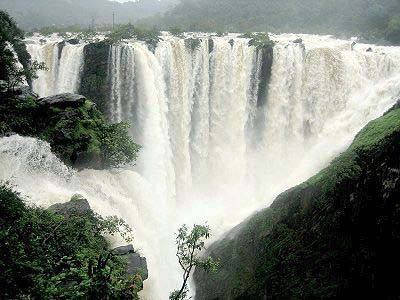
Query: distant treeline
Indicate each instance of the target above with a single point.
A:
(372, 19)
(63, 13)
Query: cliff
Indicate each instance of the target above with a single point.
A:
(334, 236)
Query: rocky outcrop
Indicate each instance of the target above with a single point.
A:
(76, 130)
(78, 205)
(94, 80)
(63, 100)
(335, 236)
(136, 264)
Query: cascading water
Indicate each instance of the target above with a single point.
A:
(215, 147)
(64, 62)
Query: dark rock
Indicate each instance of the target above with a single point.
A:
(63, 100)
(210, 45)
(77, 205)
(42, 41)
(94, 80)
(135, 263)
(123, 250)
(231, 42)
(24, 91)
(73, 41)
(88, 160)
(61, 46)
(369, 50)
(298, 41)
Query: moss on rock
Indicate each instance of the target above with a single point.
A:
(78, 132)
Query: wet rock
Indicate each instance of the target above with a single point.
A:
(63, 100)
(369, 49)
(78, 205)
(298, 41)
(136, 264)
(123, 250)
(210, 45)
(73, 41)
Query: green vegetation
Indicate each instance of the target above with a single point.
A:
(260, 40)
(45, 255)
(331, 237)
(11, 39)
(393, 30)
(366, 18)
(176, 31)
(129, 31)
(192, 44)
(94, 80)
(78, 135)
(190, 244)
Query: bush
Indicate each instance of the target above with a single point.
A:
(12, 52)
(79, 136)
(129, 31)
(393, 30)
(45, 255)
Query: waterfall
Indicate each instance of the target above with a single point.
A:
(64, 62)
(215, 149)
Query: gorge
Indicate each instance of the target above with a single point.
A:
(220, 137)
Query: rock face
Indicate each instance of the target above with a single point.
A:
(335, 236)
(135, 263)
(63, 100)
(78, 205)
(94, 80)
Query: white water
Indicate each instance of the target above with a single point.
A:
(210, 153)
(64, 69)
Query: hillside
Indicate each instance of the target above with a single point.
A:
(341, 17)
(40, 13)
(332, 237)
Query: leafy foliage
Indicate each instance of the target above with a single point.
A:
(189, 245)
(176, 31)
(129, 31)
(260, 40)
(79, 136)
(11, 40)
(45, 255)
(393, 30)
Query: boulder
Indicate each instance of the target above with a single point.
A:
(23, 92)
(78, 205)
(369, 49)
(63, 100)
(123, 250)
(298, 41)
(136, 264)
(73, 41)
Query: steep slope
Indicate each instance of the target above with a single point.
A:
(309, 16)
(334, 236)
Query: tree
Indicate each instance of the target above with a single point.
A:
(190, 244)
(393, 30)
(13, 53)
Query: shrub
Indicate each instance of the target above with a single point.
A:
(45, 255)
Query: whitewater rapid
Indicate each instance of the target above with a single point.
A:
(215, 148)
